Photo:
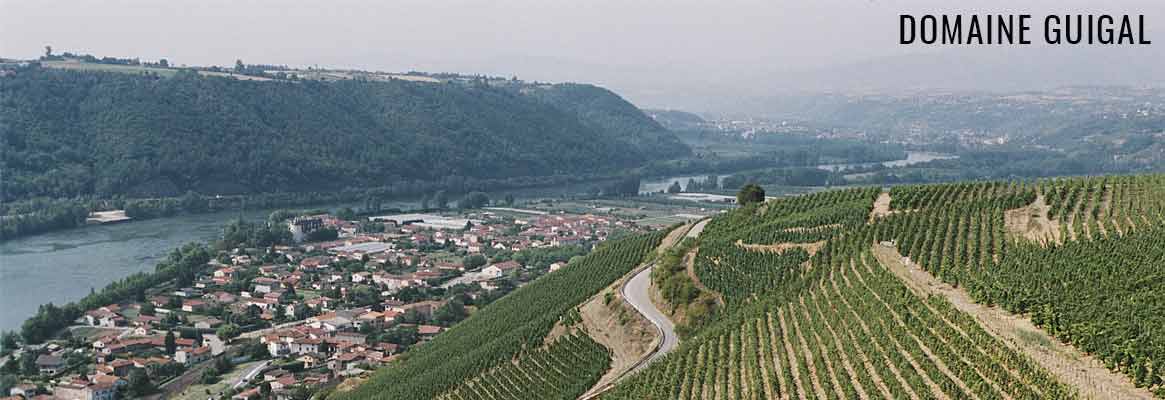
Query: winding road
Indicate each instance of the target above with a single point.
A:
(637, 292)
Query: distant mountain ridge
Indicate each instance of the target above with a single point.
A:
(72, 133)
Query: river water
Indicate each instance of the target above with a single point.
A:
(912, 157)
(655, 185)
(63, 266)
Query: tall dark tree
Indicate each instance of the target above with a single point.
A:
(171, 343)
(750, 194)
(473, 200)
(139, 383)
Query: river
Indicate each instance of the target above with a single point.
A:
(62, 266)
(912, 157)
(655, 185)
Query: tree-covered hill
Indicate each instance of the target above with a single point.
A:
(74, 133)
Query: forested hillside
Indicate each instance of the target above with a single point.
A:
(75, 133)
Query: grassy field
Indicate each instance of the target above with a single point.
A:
(128, 69)
(138, 69)
(647, 212)
(200, 391)
(89, 333)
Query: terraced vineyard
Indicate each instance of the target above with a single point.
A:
(848, 330)
(990, 290)
(1102, 289)
(724, 265)
(839, 325)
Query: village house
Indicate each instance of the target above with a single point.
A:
(81, 389)
(252, 393)
(103, 317)
(283, 382)
(193, 356)
(308, 346)
(331, 322)
(208, 323)
(428, 330)
(498, 269)
(315, 263)
(264, 304)
(320, 303)
(226, 274)
(371, 318)
(309, 360)
(193, 306)
(188, 292)
(350, 337)
(105, 379)
(49, 364)
(345, 361)
(424, 308)
(264, 284)
(556, 266)
(118, 367)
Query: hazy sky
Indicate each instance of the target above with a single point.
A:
(652, 51)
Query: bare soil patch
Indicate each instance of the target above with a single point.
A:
(1031, 222)
(1068, 364)
(799, 229)
(628, 335)
(690, 268)
(881, 207)
(811, 248)
(673, 238)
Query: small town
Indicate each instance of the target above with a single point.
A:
(331, 301)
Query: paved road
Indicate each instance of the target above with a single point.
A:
(696, 229)
(250, 374)
(636, 293)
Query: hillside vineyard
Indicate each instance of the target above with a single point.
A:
(988, 290)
